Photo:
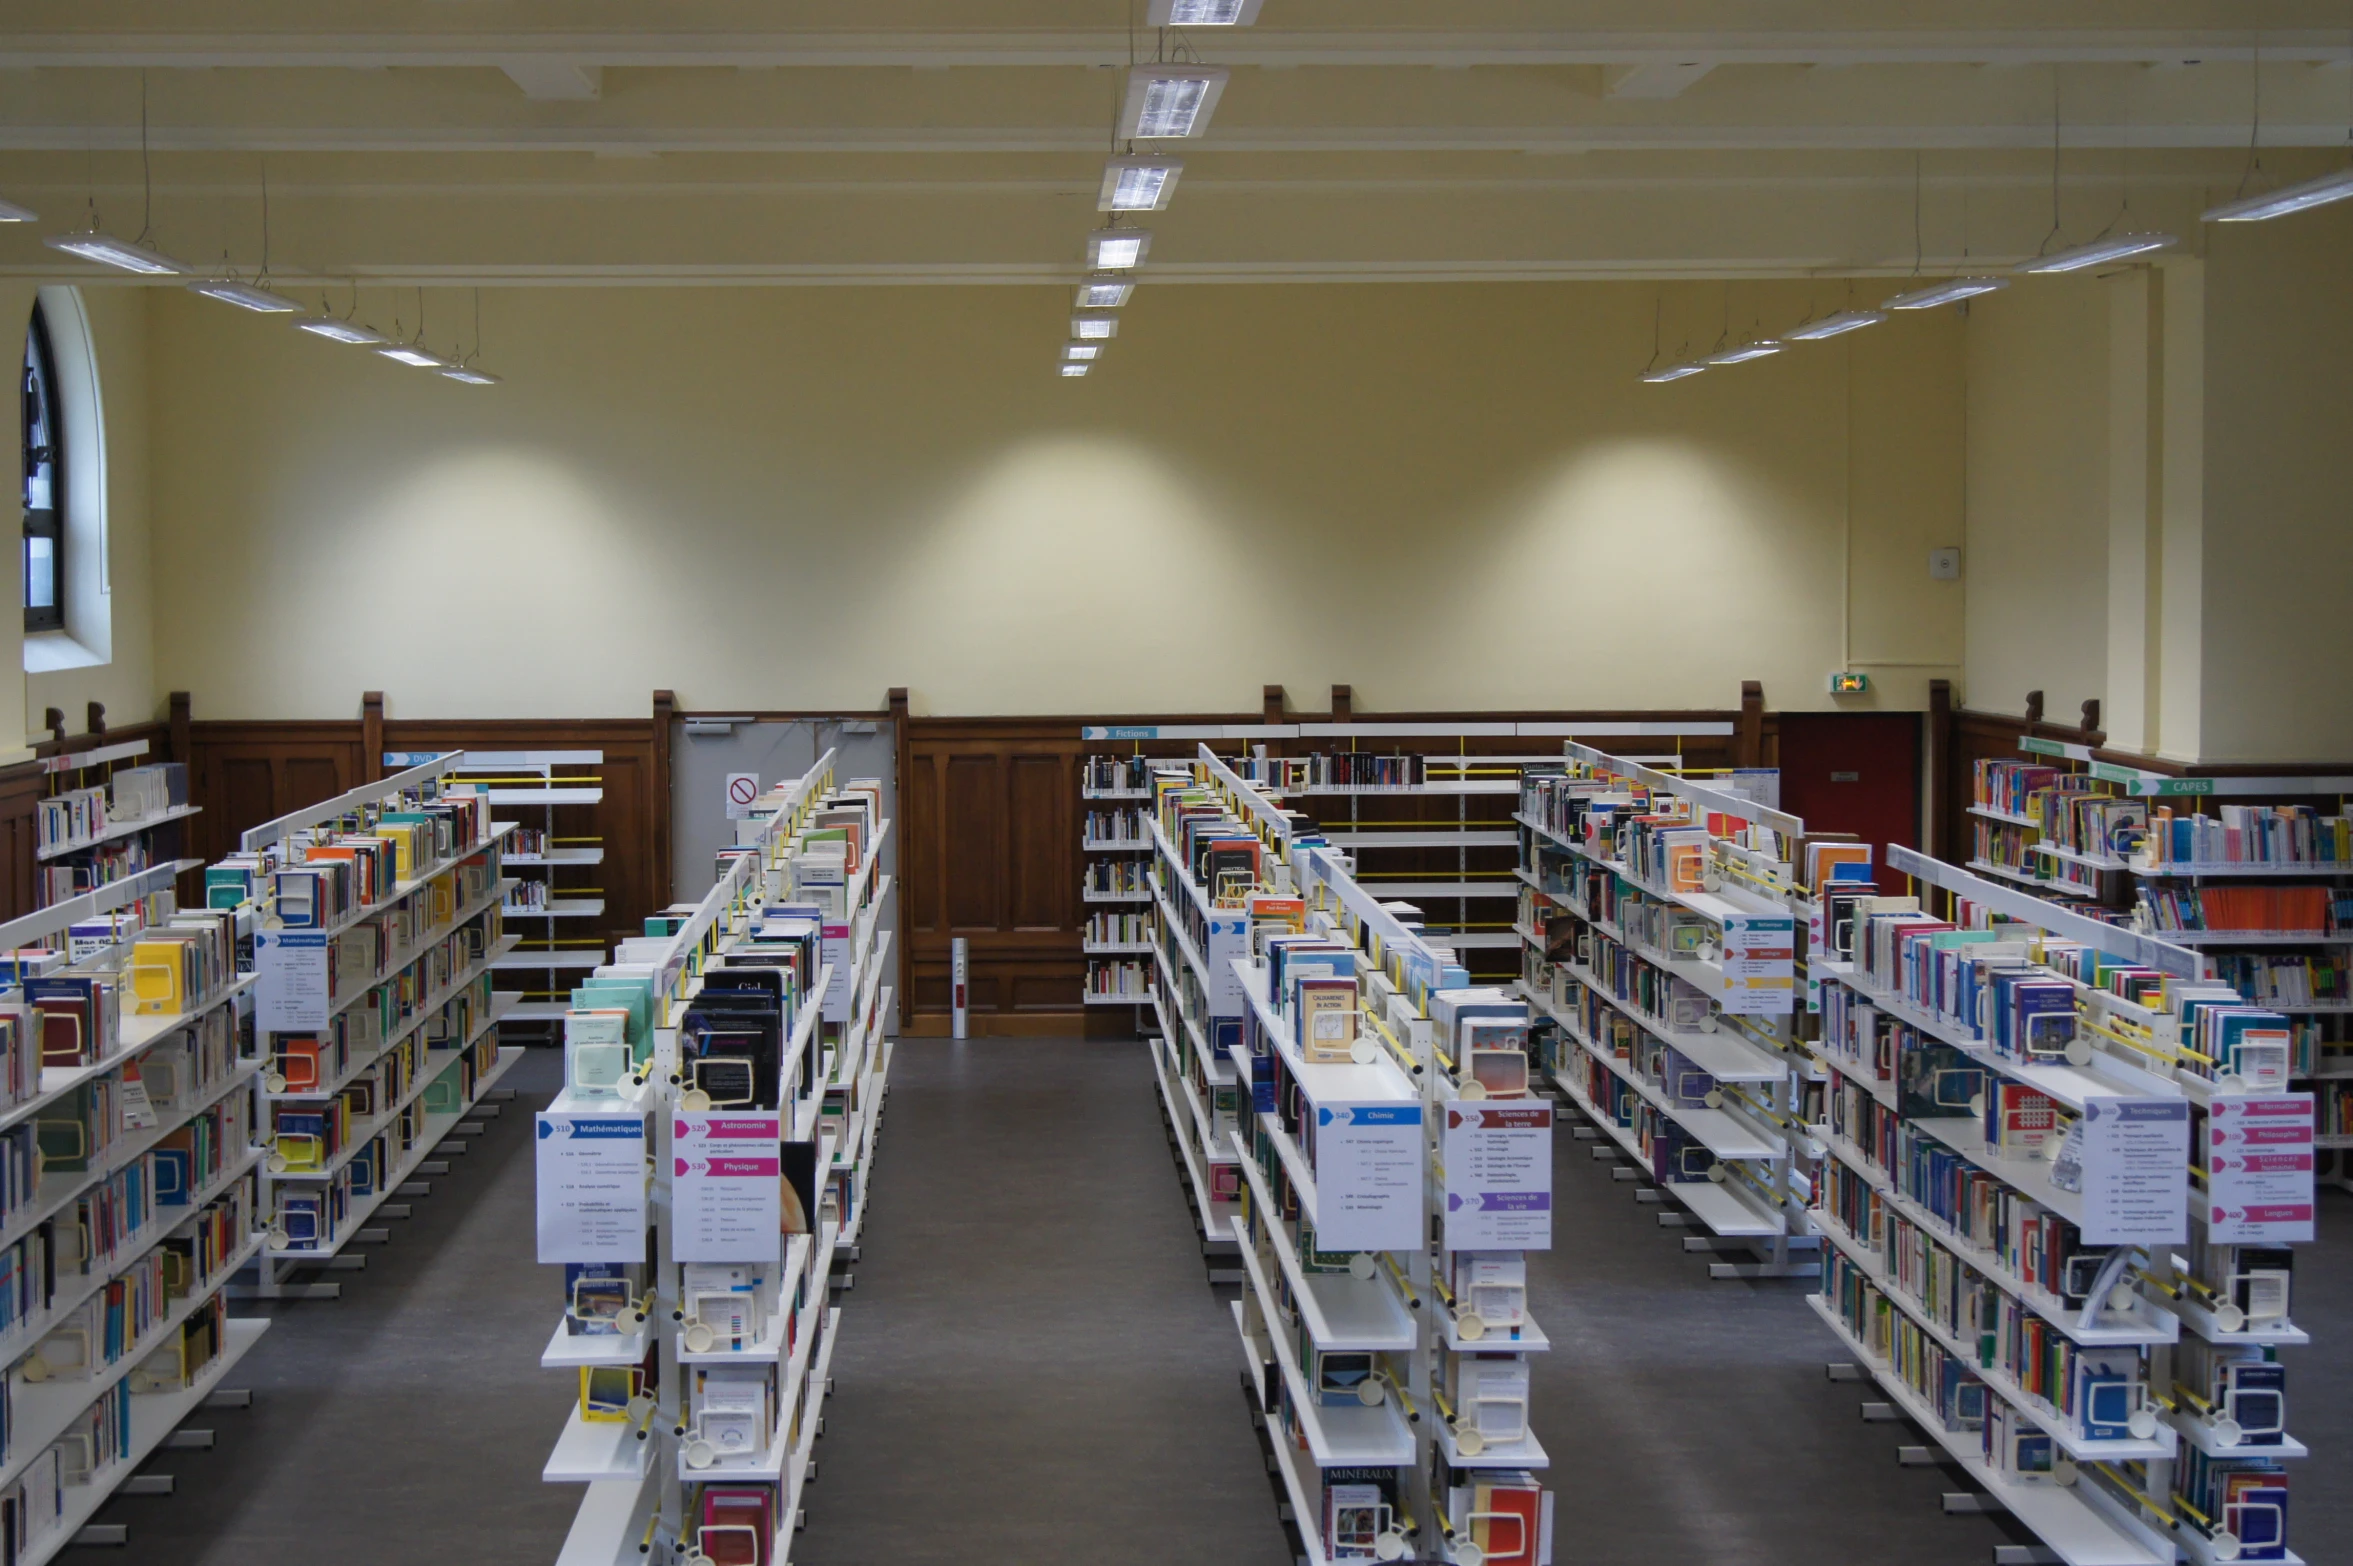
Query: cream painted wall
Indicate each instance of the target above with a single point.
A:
(2038, 499)
(2277, 670)
(1447, 496)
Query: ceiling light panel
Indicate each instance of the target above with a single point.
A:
(2288, 198)
(245, 296)
(2117, 247)
(337, 330)
(1073, 371)
(107, 250)
(409, 353)
(468, 375)
(1834, 326)
(1763, 348)
(1117, 249)
(1138, 184)
(1951, 291)
(1672, 372)
(1081, 353)
(1165, 102)
(1105, 293)
(1094, 328)
(10, 212)
(1202, 13)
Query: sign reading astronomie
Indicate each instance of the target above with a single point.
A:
(1498, 1176)
(725, 1189)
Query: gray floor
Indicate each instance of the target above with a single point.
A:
(1031, 1369)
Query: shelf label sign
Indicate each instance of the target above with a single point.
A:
(1498, 1176)
(726, 1175)
(1368, 1177)
(2135, 1157)
(2259, 1169)
(290, 985)
(1760, 964)
(742, 789)
(592, 1188)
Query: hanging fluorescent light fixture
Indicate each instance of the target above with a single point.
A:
(1104, 293)
(2288, 198)
(470, 376)
(340, 329)
(2116, 247)
(1138, 184)
(1072, 372)
(245, 296)
(1951, 291)
(414, 353)
(1165, 102)
(10, 212)
(1117, 249)
(1094, 327)
(1082, 353)
(1762, 348)
(1671, 372)
(106, 250)
(1833, 326)
(1202, 13)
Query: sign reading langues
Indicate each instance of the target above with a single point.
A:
(2259, 1169)
(724, 1185)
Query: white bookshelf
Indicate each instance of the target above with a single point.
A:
(642, 1475)
(1114, 797)
(424, 1068)
(1707, 1104)
(2323, 1057)
(2113, 1494)
(1302, 1305)
(526, 788)
(47, 1411)
(106, 849)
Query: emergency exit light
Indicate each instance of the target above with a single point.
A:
(1849, 684)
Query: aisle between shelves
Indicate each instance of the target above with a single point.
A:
(728, 1071)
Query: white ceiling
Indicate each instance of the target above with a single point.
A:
(896, 140)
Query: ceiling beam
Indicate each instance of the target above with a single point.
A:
(648, 141)
(1254, 46)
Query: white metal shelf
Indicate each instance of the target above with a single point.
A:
(116, 831)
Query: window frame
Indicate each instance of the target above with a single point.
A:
(40, 362)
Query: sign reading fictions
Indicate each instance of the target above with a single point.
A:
(725, 1185)
(290, 985)
(1760, 964)
(1368, 1177)
(1498, 1176)
(2135, 1156)
(592, 1188)
(2259, 1157)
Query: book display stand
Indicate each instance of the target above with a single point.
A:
(700, 1178)
(1660, 951)
(2256, 873)
(1391, 1171)
(126, 1130)
(373, 922)
(97, 831)
(2063, 1176)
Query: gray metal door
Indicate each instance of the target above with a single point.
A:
(703, 754)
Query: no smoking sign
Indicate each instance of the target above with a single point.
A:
(742, 789)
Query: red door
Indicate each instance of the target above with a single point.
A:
(1855, 772)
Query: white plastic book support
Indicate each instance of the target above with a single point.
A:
(740, 1329)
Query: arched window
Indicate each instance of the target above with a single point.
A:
(44, 484)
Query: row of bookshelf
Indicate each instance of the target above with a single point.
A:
(703, 1180)
(1334, 1078)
